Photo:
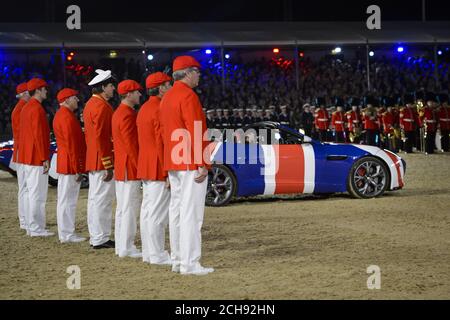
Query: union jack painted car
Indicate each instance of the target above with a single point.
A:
(285, 161)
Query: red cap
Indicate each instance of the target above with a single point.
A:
(128, 86)
(36, 83)
(183, 62)
(21, 88)
(156, 79)
(65, 93)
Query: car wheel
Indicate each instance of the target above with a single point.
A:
(221, 186)
(368, 178)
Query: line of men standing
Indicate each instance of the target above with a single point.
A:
(386, 125)
(119, 149)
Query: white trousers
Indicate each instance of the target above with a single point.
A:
(22, 195)
(99, 211)
(37, 186)
(154, 220)
(127, 193)
(186, 210)
(66, 208)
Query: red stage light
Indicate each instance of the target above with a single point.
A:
(276, 50)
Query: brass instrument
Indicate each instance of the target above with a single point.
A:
(423, 129)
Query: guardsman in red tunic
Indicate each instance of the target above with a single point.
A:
(429, 122)
(22, 195)
(34, 155)
(183, 126)
(156, 194)
(322, 119)
(126, 151)
(444, 121)
(337, 122)
(97, 116)
(408, 123)
(388, 120)
(354, 121)
(370, 119)
(70, 165)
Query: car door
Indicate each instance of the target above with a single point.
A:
(289, 164)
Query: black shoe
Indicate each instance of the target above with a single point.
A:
(107, 245)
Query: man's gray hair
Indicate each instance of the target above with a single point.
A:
(180, 74)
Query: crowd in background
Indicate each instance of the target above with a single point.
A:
(258, 85)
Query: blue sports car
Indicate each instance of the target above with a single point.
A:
(284, 161)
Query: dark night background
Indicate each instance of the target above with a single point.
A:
(220, 11)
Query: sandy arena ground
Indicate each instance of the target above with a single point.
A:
(277, 248)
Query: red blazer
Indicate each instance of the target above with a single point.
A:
(322, 120)
(126, 148)
(430, 119)
(444, 118)
(388, 120)
(97, 117)
(34, 134)
(151, 149)
(180, 108)
(337, 121)
(353, 120)
(408, 119)
(15, 123)
(70, 141)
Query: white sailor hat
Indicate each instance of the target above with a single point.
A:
(210, 111)
(219, 110)
(101, 76)
(283, 107)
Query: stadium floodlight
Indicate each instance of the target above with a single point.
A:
(337, 50)
(143, 51)
(439, 52)
(227, 56)
(371, 53)
(208, 51)
(150, 57)
(400, 49)
(276, 50)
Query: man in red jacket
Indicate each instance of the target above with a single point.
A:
(97, 115)
(444, 121)
(22, 195)
(183, 126)
(126, 150)
(156, 195)
(34, 155)
(321, 119)
(71, 158)
(338, 123)
(408, 122)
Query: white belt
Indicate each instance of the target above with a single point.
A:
(355, 121)
(430, 120)
(339, 122)
(445, 119)
(408, 120)
(322, 119)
